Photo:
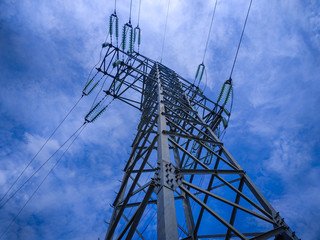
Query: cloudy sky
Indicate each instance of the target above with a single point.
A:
(47, 49)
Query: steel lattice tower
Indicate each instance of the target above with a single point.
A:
(178, 168)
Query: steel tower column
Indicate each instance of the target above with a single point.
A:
(167, 220)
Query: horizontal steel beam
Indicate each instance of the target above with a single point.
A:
(209, 171)
(228, 202)
(213, 213)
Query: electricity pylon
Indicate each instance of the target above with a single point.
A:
(180, 182)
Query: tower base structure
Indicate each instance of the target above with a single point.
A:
(180, 181)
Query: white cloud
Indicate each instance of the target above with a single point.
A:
(289, 158)
(300, 205)
(35, 142)
(276, 92)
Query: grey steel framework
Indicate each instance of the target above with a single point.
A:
(180, 182)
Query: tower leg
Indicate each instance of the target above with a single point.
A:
(167, 219)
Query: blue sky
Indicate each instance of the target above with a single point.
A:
(47, 49)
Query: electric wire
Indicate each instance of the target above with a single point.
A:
(244, 26)
(100, 55)
(205, 86)
(230, 111)
(149, 222)
(137, 30)
(139, 13)
(115, 13)
(136, 199)
(205, 50)
(234, 62)
(23, 171)
(130, 211)
(130, 11)
(209, 33)
(57, 129)
(83, 126)
(165, 30)
(42, 165)
(43, 180)
(95, 99)
(145, 215)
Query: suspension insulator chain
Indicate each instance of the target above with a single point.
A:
(226, 112)
(137, 36)
(85, 90)
(114, 25)
(131, 41)
(199, 74)
(127, 29)
(95, 112)
(221, 93)
(123, 45)
(225, 122)
(98, 114)
(117, 27)
(225, 93)
(86, 86)
(228, 94)
(92, 110)
(110, 26)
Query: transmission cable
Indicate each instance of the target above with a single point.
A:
(101, 88)
(95, 99)
(137, 30)
(233, 65)
(23, 171)
(165, 30)
(244, 26)
(43, 180)
(130, 11)
(205, 85)
(152, 218)
(201, 68)
(209, 33)
(230, 111)
(100, 55)
(12, 195)
(139, 13)
(87, 121)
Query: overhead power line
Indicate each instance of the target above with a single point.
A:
(201, 67)
(229, 81)
(35, 172)
(244, 27)
(165, 31)
(115, 6)
(43, 180)
(209, 33)
(130, 11)
(34, 157)
(139, 13)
